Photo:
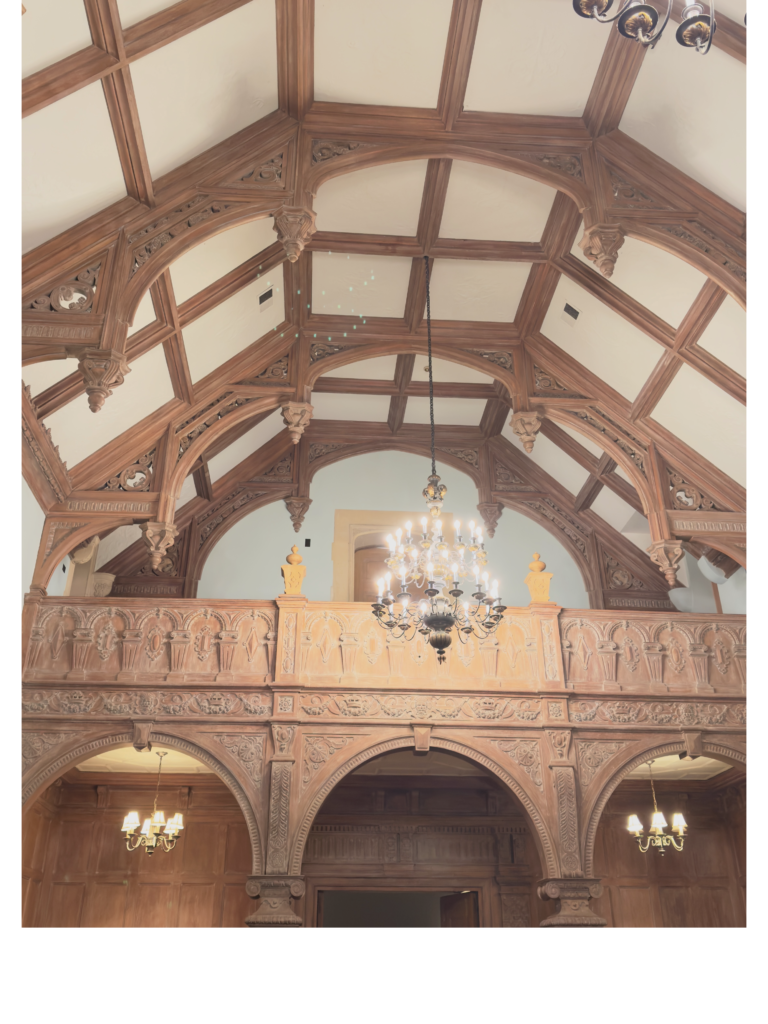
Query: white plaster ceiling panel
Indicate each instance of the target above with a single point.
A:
(734, 9)
(366, 408)
(67, 181)
(133, 11)
(50, 31)
(613, 509)
(726, 336)
(446, 372)
(41, 376)
(233, 325)
(246, 445)
(637, 530)
(390, 54)
(215, 257)
(553, 460)
(78, 432)
(126, 759)
(115, 542)
(671, 767)
(378, 368)
(345, 285)
(604, 342)
(585, 442)
(706, 418)
(692, 112)
(488, 290)
(207, 85)
(188, 491)
(145, 315)
(517, 47)
(384, 200)
(485, 202)
(660, 281)
(459, 411)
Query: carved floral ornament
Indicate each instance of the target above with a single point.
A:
(72, 296)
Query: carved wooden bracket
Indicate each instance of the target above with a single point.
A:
(526, 425)
(297, 509)
(296, 416)
(158, 537)
(294, 226)
(601, 244)
(141, 732)
(102, 370)
(667, 554)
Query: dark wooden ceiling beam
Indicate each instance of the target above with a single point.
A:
(462, 31)
(399, 401)
(615, 79)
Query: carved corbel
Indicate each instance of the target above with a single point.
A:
(491, 513)
(141, 733)
(102, 370)
(274, 894)
(297, 509)
(158, 537)
(526, 425)
(601, 244)
(294, 226)
(296, 416)
(693, 745)
(667, 554)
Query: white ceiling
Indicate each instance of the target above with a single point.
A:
(552, 460)
(145, 315)
(603, 341)
(215, 257)
(133, 11)
(383, 200)
(378, 368)
(126, 759)
(78, 433)
(207, 85)
(233, 325)
(367, 408)
(188, 491)
(726, 336)
(407, 762)
(671, 767)
(345, 285)
(477, 290)
(706, 418)
(41, 376)
(691, 111)
(115, 542)
(459, 411)
(69, 173)
(637, 530)
(517, 47)
(446, 372)
(485, 202)
(50, 31)
(390, 54)
(246, 445)
(613, 509)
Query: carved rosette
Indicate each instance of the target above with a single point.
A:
(102, 370)
(294, 226)
(667, 554)
(274, 895)
(526, 425)
(601, 244)
(158, 537)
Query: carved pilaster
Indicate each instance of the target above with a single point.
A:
(294, 226)
(179, 645)
(102, 370)
(297, 509)
(601, 244)
(608, 655)
(81, 643)
(130, 645)
(667, 554)
(571, 898)
(227, 644)
(158, 538)
(274, 894)
(350, 644)
(296, 416)
(279, 811)
(654, 657)
(526, 425)
(564, 780)
(699, 655)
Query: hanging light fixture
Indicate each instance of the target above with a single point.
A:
(643, 23)
(429, 558)
(150, 837)
(657, 837)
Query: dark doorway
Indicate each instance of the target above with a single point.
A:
(343, 909)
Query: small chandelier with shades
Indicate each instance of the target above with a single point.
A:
(150, 836)
(657, 838)
(428, 557)
(643, 23)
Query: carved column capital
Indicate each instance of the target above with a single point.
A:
(526, 425)
(102, 370)
(571, 896)
(158, 537)
(601, 244)
(491, 513)
(294, 226)
(274, 894)
(667, 554)
(297, 509)
(296, 416)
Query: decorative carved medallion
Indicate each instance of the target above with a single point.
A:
(619, 578)
(689, 498)
(35, 744)
(266, 173)
(136, 477)
(526, 754)
(546, 384)
(248, 750)
(326, 149)
(317, 750)
(503, 359)
(592, 755)
(276, 371)
(75, 295)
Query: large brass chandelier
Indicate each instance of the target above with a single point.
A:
(657, 838)
(643, 23)
(150, 837)
(429, 558)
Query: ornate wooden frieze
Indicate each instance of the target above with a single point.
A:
(503, 359)
(221, 510)
(328, 149)
(317, 450)
(159, 233)
(468, 455)
(563, 520)
(658, 713)
(161, 703)
(620, 578)
(506, 479)
(631, 446)
(277, 371)
(402, 842)
(707, 242)
(204, 419)
(75, 295)
(406, 707)
(629, 196)
(711, 523)
(687, 497)
(34, 745)
(565, 163)
(46, 455)
(266, 172)
(546, 385)
(136, 477)
(317, 750)
(322, 350)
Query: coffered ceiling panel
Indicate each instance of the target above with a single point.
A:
(735, 9)
(117, 541)
(706, 418)
(613, 509)
(378, 368)
(660, 281)
(246, 445)
(207, 85)
(359, 285)
(233, 325)
(145, 315)
(390, 54)
(726, 336)
(66, 181)
(552, 460)
(50, 31)
(367, 408)
(78, 433)
(484, 202)
(603, 341)
(460, 411)
(477, 290)
(447, 372)
(518, 48)
(41, 376)
(383, 200)
(126, 759)
(132, 11)
(692, 112)
(213, 259)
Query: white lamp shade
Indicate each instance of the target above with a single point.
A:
(634, 824)
(658, 821)
(131, 822)
(678, 823)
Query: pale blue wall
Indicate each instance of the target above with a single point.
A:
(32, 519)
(246, 562)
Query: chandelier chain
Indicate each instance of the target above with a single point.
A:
(429, 363)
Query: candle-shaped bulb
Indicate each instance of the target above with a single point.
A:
(391, 542)
(439, 527)
(380, 585)
(430, 569)
(472, 528)
(485, 578)
(466, 609)
(457, 525)
(455, 570)
(388, 578)
(423, 607)
(424, 523)
(476, 571)
(634, 825)
(408, 526)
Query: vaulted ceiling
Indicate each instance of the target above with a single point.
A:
(226, 209)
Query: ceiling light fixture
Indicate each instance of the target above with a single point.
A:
(429, 558)
(643, 23)
(150, 837)
(657, 837)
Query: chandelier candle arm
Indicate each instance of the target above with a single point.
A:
(657, 837)
(643, 23)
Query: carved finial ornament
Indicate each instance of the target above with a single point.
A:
(538, 581)
(526, 425)
(293, 573)
(601, 244)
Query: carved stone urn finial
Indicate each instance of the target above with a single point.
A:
(293, 573)
(526, 425)
(102, 370)
(538, 581)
